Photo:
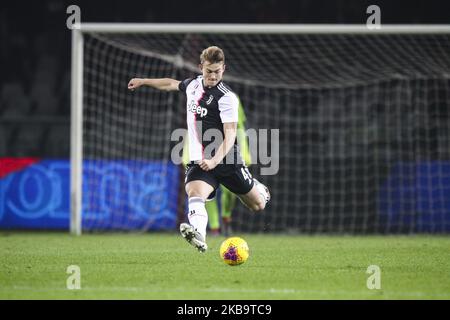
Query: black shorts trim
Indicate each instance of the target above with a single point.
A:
(194, 172)
(235, 178)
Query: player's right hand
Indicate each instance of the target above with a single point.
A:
(134, 83)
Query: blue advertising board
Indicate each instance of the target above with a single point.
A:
(122, 195)
(416, 195)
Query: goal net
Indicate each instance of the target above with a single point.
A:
(363, 119)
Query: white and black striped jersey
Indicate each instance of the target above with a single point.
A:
(208, 108)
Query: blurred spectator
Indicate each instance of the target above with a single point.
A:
(27, 141)
(4, 140)
(13, 100)
(57, 143)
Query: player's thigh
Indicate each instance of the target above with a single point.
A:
(199, 188)
(238, 180)
(235, 178)
(199, 183)
(253, 199)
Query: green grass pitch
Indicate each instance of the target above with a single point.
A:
(163, 266)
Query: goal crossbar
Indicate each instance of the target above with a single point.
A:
(260, 28)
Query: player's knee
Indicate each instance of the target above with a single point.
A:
(194, 193)
(261, 206)
(258, 206)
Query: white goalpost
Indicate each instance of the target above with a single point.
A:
(76, 133)
(363, 116)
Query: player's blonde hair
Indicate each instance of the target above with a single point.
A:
(212, 54)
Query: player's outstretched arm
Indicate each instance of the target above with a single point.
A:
(165, 84)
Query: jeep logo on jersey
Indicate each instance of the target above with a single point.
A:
(194, 108)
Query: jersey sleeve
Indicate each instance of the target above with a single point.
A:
(183, 84)
(228, 107)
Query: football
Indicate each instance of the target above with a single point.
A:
(234, 251)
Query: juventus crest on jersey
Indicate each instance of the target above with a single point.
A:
(208, 108)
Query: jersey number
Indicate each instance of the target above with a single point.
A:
(247, 175)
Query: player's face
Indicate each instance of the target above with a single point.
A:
(212, 72)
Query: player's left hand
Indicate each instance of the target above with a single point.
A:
(207, 164)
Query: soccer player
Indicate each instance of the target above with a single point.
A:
(211, 104)
(227, 198)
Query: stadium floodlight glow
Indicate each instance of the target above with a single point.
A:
(358, 110)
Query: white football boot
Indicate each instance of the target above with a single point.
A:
(193, 237)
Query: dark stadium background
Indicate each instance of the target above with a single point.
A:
(34, 39)
(33, 33)
(35, 51)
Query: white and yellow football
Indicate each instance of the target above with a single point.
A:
(234, 251)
